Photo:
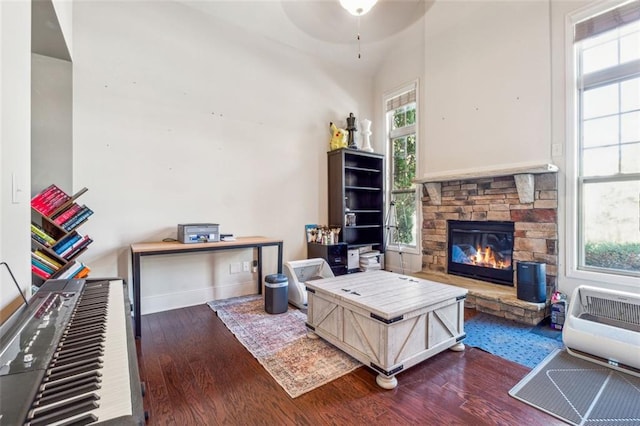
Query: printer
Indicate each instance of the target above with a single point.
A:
(198, 233)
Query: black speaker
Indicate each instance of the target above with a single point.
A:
(532, 282)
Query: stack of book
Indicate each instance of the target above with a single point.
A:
(75, 269)
(39, 234)
(71, 244)
(72, 216)
(369, 261)
(43, 265)
(55, 242)
(47, 201)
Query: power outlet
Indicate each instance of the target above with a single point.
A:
(246, 266)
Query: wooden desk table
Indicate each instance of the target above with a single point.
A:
(158, 248)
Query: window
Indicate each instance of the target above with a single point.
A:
(607, 64)
(401, 222)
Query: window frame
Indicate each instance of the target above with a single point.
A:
(574, 246)
(390, 135)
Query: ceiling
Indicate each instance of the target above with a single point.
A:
(322, 28)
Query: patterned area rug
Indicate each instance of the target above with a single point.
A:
(280, 343)
(521, 343)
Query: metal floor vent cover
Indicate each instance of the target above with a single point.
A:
(581, 392)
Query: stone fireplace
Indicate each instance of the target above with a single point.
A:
(526, 197)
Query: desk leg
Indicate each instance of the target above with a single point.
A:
(280, 257)
(259, 269)
(135, 266)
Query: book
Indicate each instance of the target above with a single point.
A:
(40, 201)
(42, 266)
(47, 258)
(66, 214)
(310, 231)
(50, 202)
(73, 246)
(66, 242)
(56, 202)
(37, 230)
(76, 247)
(39, 272)
(77, 219)
(39, 196)
(41, 240)
(75, 269)
(84, 272)
(37, 258)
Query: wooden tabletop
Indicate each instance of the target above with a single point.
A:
(176, 245)
(384, 293)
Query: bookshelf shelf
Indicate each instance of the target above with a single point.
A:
(356, 188)
(56, 243)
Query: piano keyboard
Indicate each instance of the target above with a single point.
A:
(88, 379)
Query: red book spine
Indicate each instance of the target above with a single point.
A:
(39, 272)
(37, 199)
(67, 214)
(41, 204)
(56, 202)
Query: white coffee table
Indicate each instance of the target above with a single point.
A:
(387, 321)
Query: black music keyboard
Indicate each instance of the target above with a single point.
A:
(70, 358)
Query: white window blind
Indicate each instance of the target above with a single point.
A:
(401, 100)
(608, 20)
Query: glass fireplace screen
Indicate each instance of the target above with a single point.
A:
(481, 250)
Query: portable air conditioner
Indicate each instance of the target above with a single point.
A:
(603, 326)
(300, 271)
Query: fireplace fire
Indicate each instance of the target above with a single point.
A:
(481, 250)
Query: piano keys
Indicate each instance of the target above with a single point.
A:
(71, 358)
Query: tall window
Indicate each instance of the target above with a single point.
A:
(403, 200)
(607, 52)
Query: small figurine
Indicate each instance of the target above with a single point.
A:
(351, 128)
(338, 137)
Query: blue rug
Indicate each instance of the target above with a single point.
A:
(521, 343)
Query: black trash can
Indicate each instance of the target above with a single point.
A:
(276, 293)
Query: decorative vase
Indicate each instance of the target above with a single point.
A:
(366, 133)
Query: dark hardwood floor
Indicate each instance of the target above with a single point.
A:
(197, 373)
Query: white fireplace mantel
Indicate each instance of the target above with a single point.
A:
(523, 176)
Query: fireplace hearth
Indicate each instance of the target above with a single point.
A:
(481, 249)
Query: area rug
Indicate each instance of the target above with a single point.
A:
(581, 392)
(279, 342)
(511, 340)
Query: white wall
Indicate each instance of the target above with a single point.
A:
(15, 59)
(51, 123)
(487, 85)
(181, 118)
